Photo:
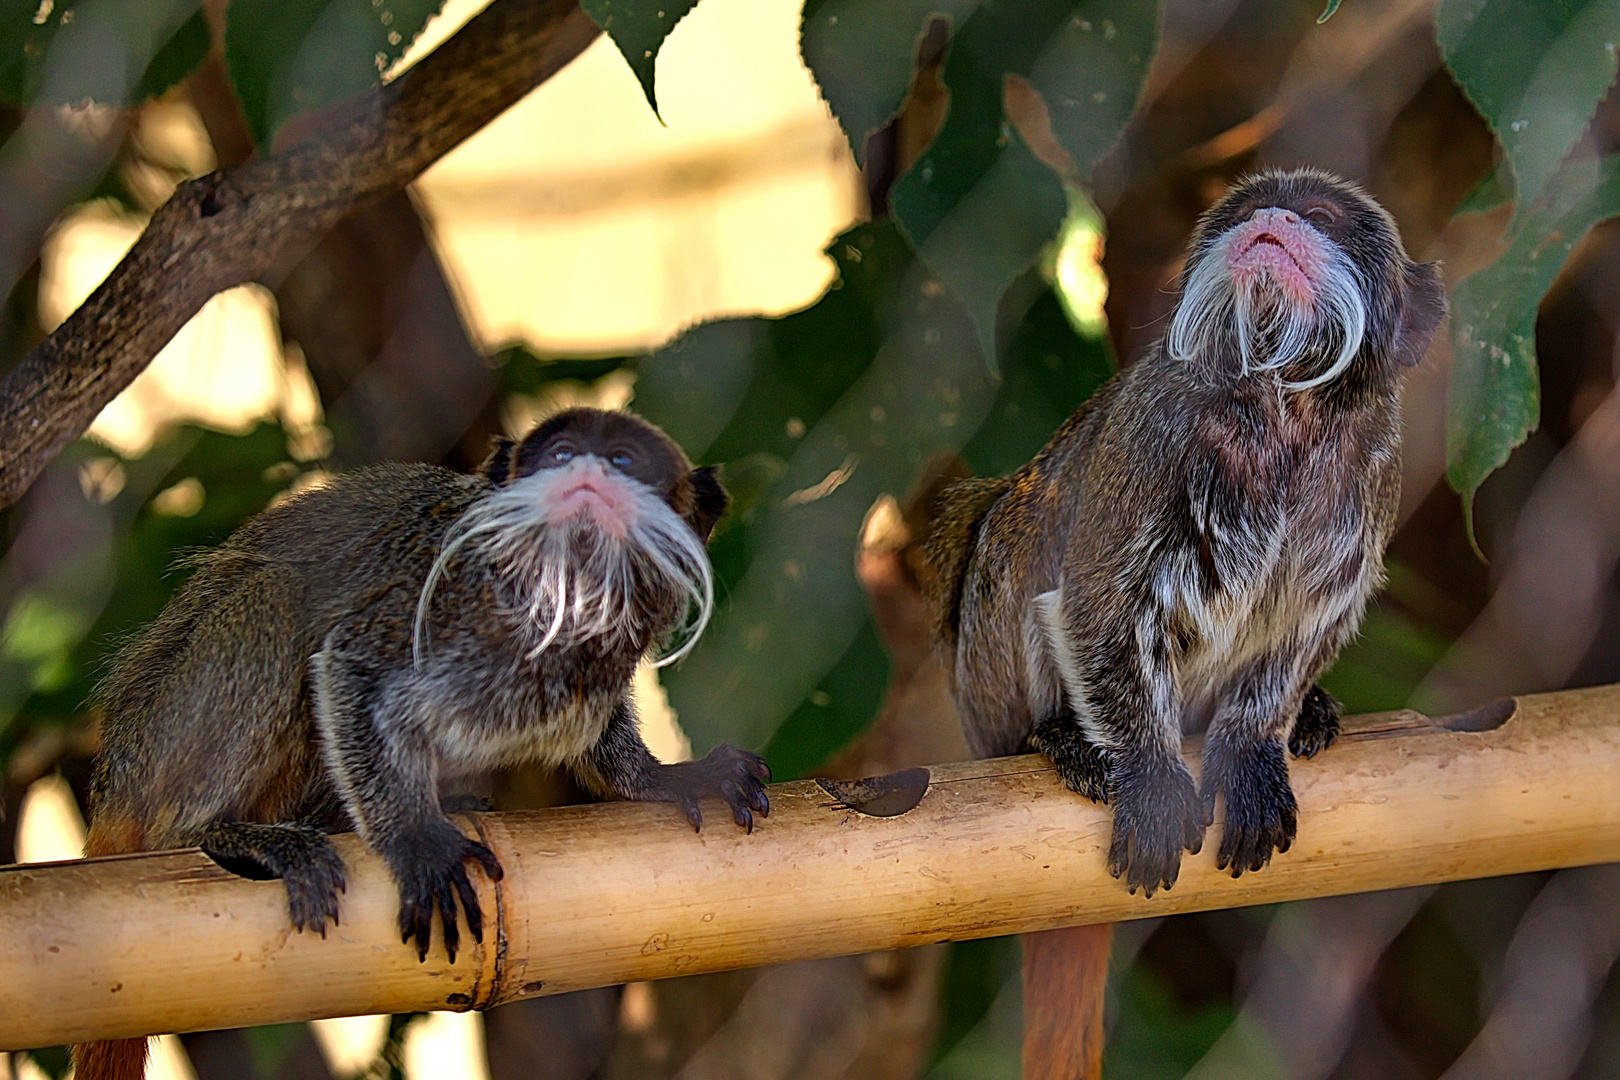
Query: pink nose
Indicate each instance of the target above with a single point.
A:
(1269, 214)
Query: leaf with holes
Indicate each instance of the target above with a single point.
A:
(1535, 70)
(638, 28)
(102, 51)
(979, 205)
(289, 56)
(1494, 397)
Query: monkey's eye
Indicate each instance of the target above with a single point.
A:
(622, 459)
(1322, 217)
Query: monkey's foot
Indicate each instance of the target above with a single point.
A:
(1317, 725)
(1261, 814)
(1158, 814)
(1082, 764)
(429, 863)
(298, 853)
(735, 776)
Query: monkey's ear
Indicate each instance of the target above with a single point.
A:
(709, 501)
(498, 466)
(1423, 309)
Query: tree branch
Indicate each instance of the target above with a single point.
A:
(597, 895)
(241, 225)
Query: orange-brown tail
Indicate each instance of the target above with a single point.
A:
(1065, 979)
(114, 1059)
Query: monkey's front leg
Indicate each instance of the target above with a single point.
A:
(384, 772)
(621, 766)
(1246, 764)
(1131, 724)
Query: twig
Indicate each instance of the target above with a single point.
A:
(231, 227)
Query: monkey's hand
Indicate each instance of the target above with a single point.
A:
(429, 863)
(1261, 814)
(735, 776)
(1157, 814)
(1082, 764)
(1317, 725)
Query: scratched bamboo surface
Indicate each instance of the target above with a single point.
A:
(611, 893)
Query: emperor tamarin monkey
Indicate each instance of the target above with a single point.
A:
(349, 649)
(1201, 538)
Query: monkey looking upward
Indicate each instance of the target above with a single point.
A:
(1196, 543)
(350, 648)
(1200, 539)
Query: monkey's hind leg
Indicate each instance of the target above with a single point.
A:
(1317, 724)
(298, 853)
(1081, 763)
(620, 765)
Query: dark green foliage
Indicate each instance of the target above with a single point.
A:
(638, 28)
(976, 972)
(1495, 398)
(61, 632)
(523, 371)
(815, 415)
(112, 52)
(289, 56)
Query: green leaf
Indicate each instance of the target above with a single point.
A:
(178, 58)
(814, 416)
(1535, 70)
(837, 710)
(978, 204)
(118, 588)
(289, 56)
(114, 52)
(1494, 397)
(976, 972)
(862, 55)
(1327, 12)
(851, 394)
(638, 28)
(1492, 191)
(1157, 1038)
(1050, 371)
(523, 371)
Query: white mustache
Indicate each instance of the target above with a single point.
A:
(572, 582)
(1213, 306)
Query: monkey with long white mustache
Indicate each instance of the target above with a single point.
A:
(1276, 325)
(575, 579)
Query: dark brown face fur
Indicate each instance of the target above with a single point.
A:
(1405, 300)
(629, 445)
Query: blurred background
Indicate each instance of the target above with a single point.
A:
(765, 275)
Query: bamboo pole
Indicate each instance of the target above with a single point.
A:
(603, 894)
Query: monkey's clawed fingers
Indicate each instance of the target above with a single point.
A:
(434, 874)
(1158, 814)
(1261, 814)
(735, 776)
(312, 890)
(1317, 725)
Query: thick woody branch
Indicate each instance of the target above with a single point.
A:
(232, 227)
(604, 894)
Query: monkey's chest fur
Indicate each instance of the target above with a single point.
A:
(1199, 539)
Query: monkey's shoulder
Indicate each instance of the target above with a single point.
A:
(381, 509)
